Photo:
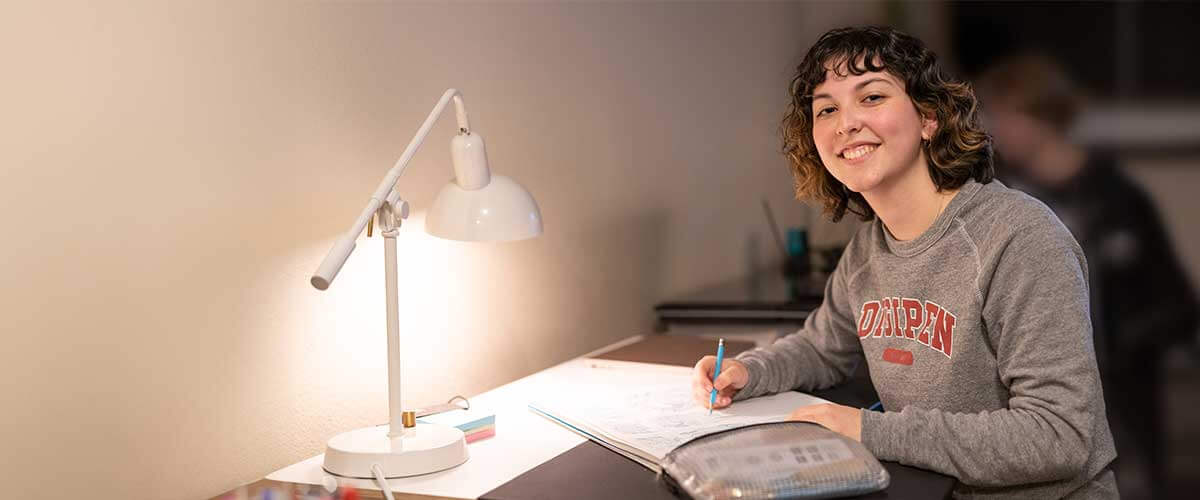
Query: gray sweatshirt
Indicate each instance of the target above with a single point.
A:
(978, 339)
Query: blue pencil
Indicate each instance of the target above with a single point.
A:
(712, 398)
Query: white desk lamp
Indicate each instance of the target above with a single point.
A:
(475, 206)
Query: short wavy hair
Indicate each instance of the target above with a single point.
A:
(959, 150)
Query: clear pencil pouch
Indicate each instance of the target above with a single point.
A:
(774, 460)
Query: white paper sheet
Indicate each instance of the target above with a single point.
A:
(646, 414)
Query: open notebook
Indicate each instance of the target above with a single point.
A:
(644, 411)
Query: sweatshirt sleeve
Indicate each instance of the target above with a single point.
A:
(1036, 314)
(821, 354)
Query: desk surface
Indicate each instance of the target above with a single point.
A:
(590, 471)
(532, 458)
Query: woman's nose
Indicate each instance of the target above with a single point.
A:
(848, 122)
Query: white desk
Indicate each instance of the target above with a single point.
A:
(523, 441)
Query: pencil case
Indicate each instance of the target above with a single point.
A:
(773, 460)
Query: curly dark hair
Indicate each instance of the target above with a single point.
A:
(958, 150)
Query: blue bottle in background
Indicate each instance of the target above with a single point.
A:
(797, 249)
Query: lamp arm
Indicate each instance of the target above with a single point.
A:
(345, 245)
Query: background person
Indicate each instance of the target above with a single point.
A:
(1141, 301)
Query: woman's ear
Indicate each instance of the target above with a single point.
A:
(929, 125)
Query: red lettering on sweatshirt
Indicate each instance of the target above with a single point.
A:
(897, 317)
(888, 317)
(943, 332)
(931, 314)
(912, 317)
(868, 318)
(924, 322)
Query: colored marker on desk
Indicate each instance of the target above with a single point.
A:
(712, 397)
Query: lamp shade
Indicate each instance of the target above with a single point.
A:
(500, 211)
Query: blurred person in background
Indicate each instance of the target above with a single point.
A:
(1142, 303)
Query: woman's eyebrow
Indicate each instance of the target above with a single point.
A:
(857, 87)
(864, 83)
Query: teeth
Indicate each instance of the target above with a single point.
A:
(858, 152)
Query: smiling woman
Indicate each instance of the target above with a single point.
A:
(870, 136)
(968, 300)
(865, 89)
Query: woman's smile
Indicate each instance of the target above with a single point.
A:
(858, 154)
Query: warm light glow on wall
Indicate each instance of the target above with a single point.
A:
(438, 293)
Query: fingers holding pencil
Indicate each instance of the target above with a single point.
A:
(732, 378)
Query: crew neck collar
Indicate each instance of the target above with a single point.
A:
(936, 230)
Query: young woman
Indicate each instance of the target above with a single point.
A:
(968, 300)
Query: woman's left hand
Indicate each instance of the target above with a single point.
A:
(837, 418)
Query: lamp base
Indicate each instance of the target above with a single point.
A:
(422, 449)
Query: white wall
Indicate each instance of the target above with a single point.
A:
(171, 173)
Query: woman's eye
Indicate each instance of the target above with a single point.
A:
(873, 98)
(823, 111)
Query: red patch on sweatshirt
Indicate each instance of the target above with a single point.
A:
(897, 356)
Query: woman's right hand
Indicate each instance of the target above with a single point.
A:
(733, 377)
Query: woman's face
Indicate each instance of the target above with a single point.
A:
(868, 131)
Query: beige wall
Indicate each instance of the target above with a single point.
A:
(171, 173)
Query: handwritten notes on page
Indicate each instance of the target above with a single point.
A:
(644, 413)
